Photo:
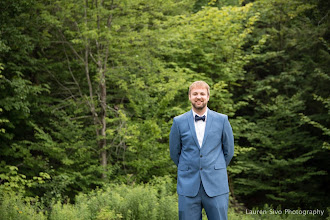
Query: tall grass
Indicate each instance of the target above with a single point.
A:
(119, 202)
(14, 207)
(154, 201)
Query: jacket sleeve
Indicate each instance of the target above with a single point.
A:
(227, 141)
(175, 143)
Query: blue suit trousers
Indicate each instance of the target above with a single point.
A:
(216, 208)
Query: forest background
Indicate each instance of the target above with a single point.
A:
(88, 91)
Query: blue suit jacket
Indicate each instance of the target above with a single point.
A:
(207, 164)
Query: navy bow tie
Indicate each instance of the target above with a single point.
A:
(197, 118)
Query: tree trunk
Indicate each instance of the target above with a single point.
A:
(102, 144)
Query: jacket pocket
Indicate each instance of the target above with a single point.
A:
(183, 167)
(219, 166)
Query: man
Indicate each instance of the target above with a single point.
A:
(202, 145)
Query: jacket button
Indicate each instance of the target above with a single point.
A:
(201, 155)
(201, 169)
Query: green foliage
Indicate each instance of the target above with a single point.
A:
(12, 181)
(14, 206)
(122, 202)
(200, 4)
(138, 83)
(150, 201)
(283, 78)
(210, 42)
(266, 62)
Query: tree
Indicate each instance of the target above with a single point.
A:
(113, 43)
(283, 161)
(84, 29)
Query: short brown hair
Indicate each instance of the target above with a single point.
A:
(200, 84)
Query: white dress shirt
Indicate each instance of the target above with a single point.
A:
(200, 128)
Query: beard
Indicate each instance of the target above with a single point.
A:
(198, 107)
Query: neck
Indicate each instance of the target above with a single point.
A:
(200, 111)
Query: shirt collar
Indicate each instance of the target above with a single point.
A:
(194, 113)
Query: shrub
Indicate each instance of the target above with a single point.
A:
(128, 202)
(155, 201)
(69, 211)
(13, 206)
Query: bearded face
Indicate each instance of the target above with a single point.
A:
(199, 97)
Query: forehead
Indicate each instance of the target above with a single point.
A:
(198, 89)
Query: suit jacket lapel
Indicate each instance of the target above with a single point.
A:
(192, 127)
(208, 125)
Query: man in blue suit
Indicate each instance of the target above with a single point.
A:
(202, 145)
